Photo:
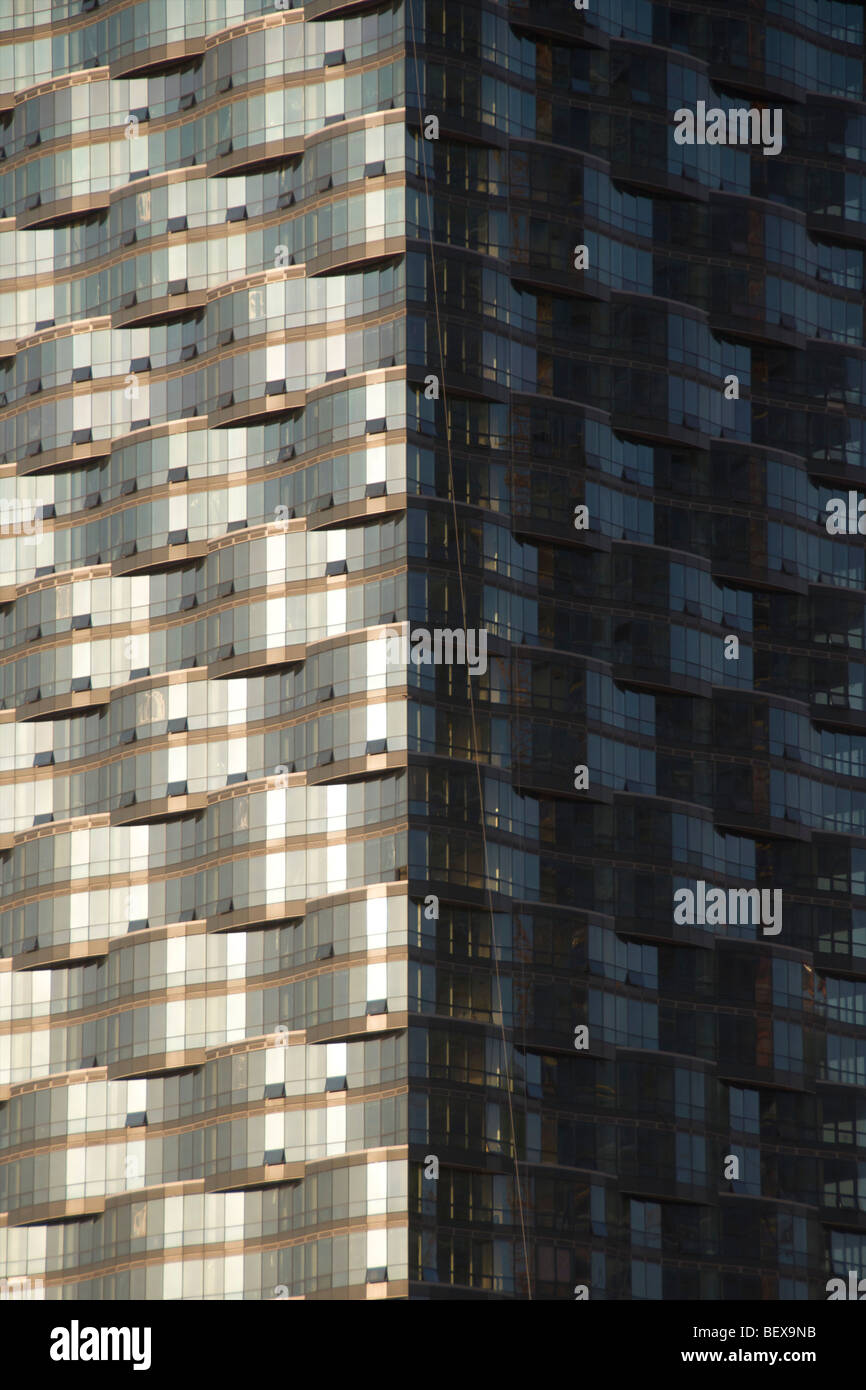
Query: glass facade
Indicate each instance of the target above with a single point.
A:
(323, 327)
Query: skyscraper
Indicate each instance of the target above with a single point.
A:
(432, 681)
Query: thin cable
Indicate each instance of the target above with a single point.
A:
(475, 744)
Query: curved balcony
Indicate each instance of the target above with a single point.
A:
(156, 1064)
(659, 430)
(147, 62)
(562, 532)
(843, 717)
(71, 1210)
(359, 1026)
(254, 663)
(353, 769)
(77, 451)
(345, 512)
(334, 9)
(178, 302)
(837, 228)
(751, 81)
(256, 410)
(68, 702)
(163, 557)
(160, 808)
(578, 283)
(36, 957)
(270, 1173)
(558, 19)
(753, 571)
(654, 179)
(659, 679)
(38, 215)
(731, 820)
(832, 472)
(227, 918)
(251, 159)
(357, 256)
(542, 779)
(749, 322)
